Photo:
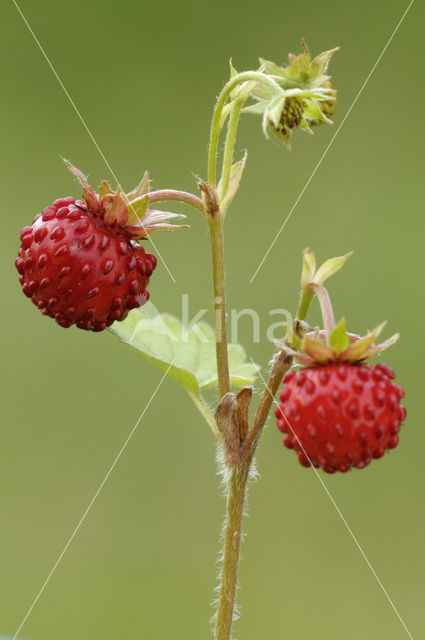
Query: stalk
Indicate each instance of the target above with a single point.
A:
(164, 195)
(240, 78)
(236, 494)
(237, 482)
(229, 146)
(326, 308)
(282, 364)
(307, 295)
(236, 473)
(219, 285)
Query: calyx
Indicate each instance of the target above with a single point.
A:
(321, 347)
(125, 213)
(332, 344)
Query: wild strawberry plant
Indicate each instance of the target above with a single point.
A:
(82, 262)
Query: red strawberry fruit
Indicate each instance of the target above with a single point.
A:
(80, 262)
(338, 412)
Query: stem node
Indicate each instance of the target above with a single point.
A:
(210, 200)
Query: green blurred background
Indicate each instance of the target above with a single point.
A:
(144, 76)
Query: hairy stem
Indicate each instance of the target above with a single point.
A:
(217, 250)
(306, 299)
(282, 363)
(238, 474)
(326, 308)
(232, 129)
(164, 195)
(240, 78)
(236, 493)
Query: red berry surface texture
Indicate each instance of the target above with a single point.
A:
(80, 271)
(340, 416)
(80, 261)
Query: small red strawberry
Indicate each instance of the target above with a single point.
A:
(80, 262)
(340, 416)
(338, 412)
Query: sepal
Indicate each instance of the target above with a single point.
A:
(154, 220)
(338, 339)
(308, 268)
(137, 209)
(373, 351)
(275, 109)
(258, 108)
(330, 267)
(236, 173)
(311, 275)
(357, 350)
(321, 61)
(104, 189)
(141, 189)
(89, 193)
(242, 91)
(318, 351)
(114, 209)
(320, 348)
(334, 343)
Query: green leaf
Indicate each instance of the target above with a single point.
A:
(338, 340)
(189, 354)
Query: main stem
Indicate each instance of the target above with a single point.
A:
(217, 249)
(237, 474)
(236, 493)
